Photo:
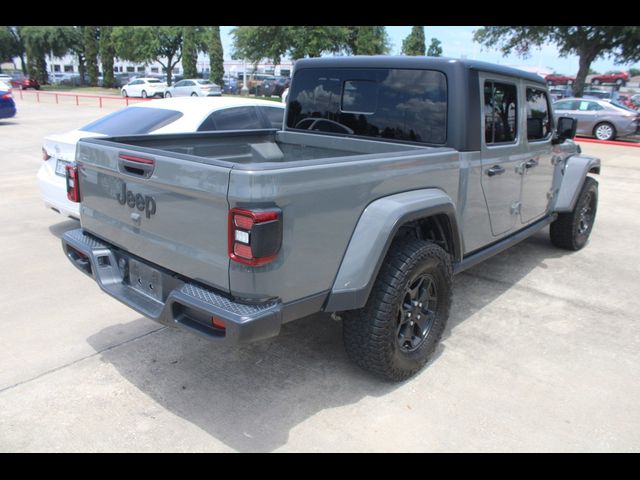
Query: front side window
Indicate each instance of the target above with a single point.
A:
(395, 104)
(538, 115)
(566, 105)
(500, 112)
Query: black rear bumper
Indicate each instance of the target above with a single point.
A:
(181, 302)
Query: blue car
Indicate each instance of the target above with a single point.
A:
(7, 105)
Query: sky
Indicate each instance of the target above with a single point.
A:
(457, 42)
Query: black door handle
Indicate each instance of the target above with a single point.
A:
(495, 170)
(531, 163)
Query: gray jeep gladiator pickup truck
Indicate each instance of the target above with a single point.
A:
(390, 175)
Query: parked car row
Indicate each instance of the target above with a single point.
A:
(20, 81)
(171, 115)
(615, 77)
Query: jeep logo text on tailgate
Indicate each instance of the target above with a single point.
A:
(144, 203)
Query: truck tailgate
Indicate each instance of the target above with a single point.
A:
(169, 211)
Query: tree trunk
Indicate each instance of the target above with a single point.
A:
(585, 62)
(169, 69)
(81, 69)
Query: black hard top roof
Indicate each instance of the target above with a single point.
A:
(403, 61)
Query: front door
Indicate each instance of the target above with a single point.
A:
(502, 153)
(537, 170)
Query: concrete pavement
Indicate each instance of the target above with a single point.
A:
(542, 351)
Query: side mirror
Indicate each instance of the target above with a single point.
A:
(566, 129)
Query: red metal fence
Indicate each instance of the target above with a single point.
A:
(77, 96)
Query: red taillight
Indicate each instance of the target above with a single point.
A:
(5, 96)
(255, 236)
(73, 186)
(218, 323)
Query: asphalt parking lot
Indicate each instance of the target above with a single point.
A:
(542, 350)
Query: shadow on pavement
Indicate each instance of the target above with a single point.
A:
(58, 229)
(251, 397)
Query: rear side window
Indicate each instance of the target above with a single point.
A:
(238, 118)
(538, 116)
(275, 116)
(397, 104)
(589, 107)
(133, 121)
(500, 112)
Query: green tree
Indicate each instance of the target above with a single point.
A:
(435, 50)
(40, 41)
(189, 52)
(9, 46)
(589, 43)
(107, 52)
(216, 56)
(371, 41)
(273, 42)
(162, 44)
(634, 72)
(17, 46)
(73, 39)
(414, 44)
(91, 42)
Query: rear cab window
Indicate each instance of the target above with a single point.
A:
(395, 104)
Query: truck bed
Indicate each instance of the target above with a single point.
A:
(318, 181)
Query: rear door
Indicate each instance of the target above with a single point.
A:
(502, 152)
(169, 211)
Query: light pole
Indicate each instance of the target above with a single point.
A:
(244, 90)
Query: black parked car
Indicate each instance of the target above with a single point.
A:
(275, 86)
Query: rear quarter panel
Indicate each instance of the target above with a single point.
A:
(321, 205)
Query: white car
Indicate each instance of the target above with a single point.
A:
(144, 87)
(193, 87)
(172, 115)
(5, 85)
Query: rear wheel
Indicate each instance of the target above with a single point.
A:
(397, 331)
(194, 94)
(595, 81)
(144, 94)
(604, 131)
(571, 230)
(167, 95)
(620, 82)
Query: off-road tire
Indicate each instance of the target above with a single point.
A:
(371, 334)
(570, 231)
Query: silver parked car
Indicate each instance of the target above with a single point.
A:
(602, 119)
(193, 87)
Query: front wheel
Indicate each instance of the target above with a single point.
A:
(167, 95)
(397, 331)
(620, 82)
(194, 94)
(595, 82)
(571, 230)
(124, 93)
